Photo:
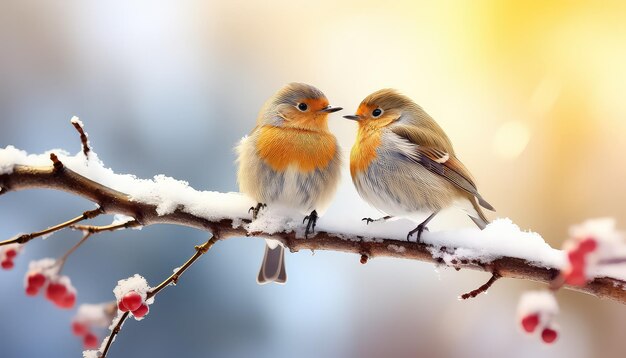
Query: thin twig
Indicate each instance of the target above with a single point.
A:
(558, 282)
(114, 332)
(90, 230)
(22, 239)
(57, 165)
(613, 261)
(494, 277)
(112, 227)
(200, 250)
(61, 261)
(83, 136)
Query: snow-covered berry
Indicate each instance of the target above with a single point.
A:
(8, 254)
(90, 341)
(67, 301)
(32, 291)
(549, 335)
(530, 322)
(536, 311)
(35, 279)
(132, 296)
(79, 328)
(91, 316)
(588, 245)
(55, 291)
(141, 311)
(592, 244)
(131, 301)
(7, 264)
(121, 307)
(61, 292)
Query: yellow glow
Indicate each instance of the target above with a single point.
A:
(511, 139)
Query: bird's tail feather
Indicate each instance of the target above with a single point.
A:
(273, 266)
(484, 203)
(479, 218)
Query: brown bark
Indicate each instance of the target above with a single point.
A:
(114, 202)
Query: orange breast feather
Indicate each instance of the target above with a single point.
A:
(308, 150)
(364, 151)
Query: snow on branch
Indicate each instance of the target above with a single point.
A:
(502, 249)
(593, 259)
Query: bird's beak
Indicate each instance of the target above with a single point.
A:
(330, 109)
(352, 117)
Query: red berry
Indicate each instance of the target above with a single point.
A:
(549, 335)
(79, 329)
(66, 301)
(530, 322)
(55, 291)
(132, 300)
(90, 341)
(141, 311)
(7, 264)
(32, 291)
(588, 245)
(576, 257)
(10, 253)
(121, 307)
(36, 279)
(576, 277)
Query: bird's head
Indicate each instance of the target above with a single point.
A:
(385, 108)
(298, 105)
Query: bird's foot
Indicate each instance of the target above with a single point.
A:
(310, 220)
(370, 220)
(255, 210)
(419, 230)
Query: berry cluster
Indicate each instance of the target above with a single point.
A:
(579, 258)
(536, 312)
(594, 244)
(61, 292)
(43, 276)
(132, 296)
(82, 329)
(91, 316)
(531, 322)
(8, 254)
(135, 303)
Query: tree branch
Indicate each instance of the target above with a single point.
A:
(114, 202)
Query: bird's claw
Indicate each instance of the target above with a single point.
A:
(368, 220)
(419, 230)
(255, 210)
(311, 220)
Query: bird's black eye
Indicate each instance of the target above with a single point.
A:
(302, 106)
(377, 112)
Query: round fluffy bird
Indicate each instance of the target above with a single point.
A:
(290, 158)
(403, 163)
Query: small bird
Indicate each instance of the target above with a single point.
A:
(403, 163)
(290, 158)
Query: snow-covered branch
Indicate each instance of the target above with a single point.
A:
(501, 249)
(593, 260)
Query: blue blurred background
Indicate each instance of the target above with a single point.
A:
(529, 92)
